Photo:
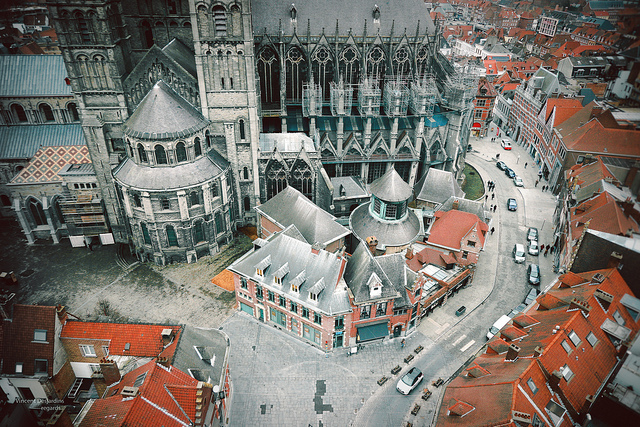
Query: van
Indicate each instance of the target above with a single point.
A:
(518, 253)
(503, 320)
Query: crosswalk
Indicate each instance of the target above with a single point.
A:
(461, 342)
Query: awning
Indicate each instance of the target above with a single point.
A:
(372, 332)
(476, 125)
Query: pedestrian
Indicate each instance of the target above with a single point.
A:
(518, 160)
(551, 250)
(493, 229)
(541, 248)
(525, 165)
(546, 251)
(498, 156)
(493, 196)
(402, 343)
(494, 207)
(536, 183)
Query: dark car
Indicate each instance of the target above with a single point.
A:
(533, 274)
(501, 165)
(517, 310)
(509, 172)
(511, 204)
(531, 296)
(409, 381)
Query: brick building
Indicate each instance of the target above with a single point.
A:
(483, 108)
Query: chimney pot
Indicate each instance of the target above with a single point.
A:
(537, 352)
(512, 353)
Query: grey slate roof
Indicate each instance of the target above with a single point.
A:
(390, 187)
(33, 75)
(213, 347)
(22, 142)
(437, 186)
(163, 114)
(274, 15)
(352, 186)
(389, 233)
(82, 169)
(291, 207)
(180, 53)
(286, 142)
(465, 205)
(357, 274)
(314, 267)
(166, 178)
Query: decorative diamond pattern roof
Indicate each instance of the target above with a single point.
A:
(49, 161)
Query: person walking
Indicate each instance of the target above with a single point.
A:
(486, 197)
(494, 207)
(493, 196)
(525, 165)
(492, 230)
(536, 183)
(541, 248)
(402, 343)
(546, 251)
(551, 250)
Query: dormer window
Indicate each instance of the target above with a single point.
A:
(316, 289)
(297, 281)
(375, 286)
(263, 265)
(280, 273)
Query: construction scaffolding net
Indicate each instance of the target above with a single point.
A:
(424, 96)
(341, 98)
(369, 95)
(311, 99)
(396, 98)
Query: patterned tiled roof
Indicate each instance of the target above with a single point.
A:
(22, 142)
(144, 340)
(48, 161)
(167, 397)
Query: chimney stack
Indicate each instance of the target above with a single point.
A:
(554, 380)
(512, 353)
(409, 254)
(456, 204)
(614, 259)
(576, 303)
(537, 352)
(110, 371)
(61, 311)
(372, 242)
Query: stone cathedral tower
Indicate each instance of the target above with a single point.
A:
(97, 53)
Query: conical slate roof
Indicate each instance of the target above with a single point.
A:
(163, 114)
(390, 187)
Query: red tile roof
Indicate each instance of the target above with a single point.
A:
(143, 340)
(167, 396)
(585, 175)
(450, 227)
(593, 137)
(562, 109)
(603, 213)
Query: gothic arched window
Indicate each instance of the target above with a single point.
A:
(245, 173)
(207, 137)
(18, 113)
(72, 108)
(142, 154)
(198, 232)
(241, 126)
(172, 238)
(276, 179)
(349, 65)
(401, 62)
(35, 207)
(161, 155)
(422, 61)
(83, 28)
(302, 179)
(247, 204)
(145, 233)
(219, 21)
(147, 34)
(322, 66)
(376, 63)
(194, 198)
(296, 69)
(269, 71)
(181, 152)
(197, 147)
(46, 113)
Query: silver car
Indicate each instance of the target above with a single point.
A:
(534, 249)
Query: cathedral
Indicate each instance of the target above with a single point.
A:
(195, 112)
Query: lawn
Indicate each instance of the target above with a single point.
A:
(472, 185)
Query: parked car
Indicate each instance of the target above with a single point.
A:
(511, 204)
(501, 165)
(533, 274)
(506, 144)
(518, 181)
(518, 253)
(534, 249)
(517, 310)
(531, 296)
(500, 323)
(510, 173)
(409, 381)
(532, 233)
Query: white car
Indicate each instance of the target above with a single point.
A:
(518, 181)
(534, 249)
(409, 381)
(506, 144)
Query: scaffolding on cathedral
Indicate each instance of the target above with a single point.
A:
(369, 95)
(460, 89)
(396, 97)
(341, 98)
(311, 99)
(424, 96)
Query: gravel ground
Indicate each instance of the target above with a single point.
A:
(93, 286)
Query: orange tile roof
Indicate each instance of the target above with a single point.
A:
(167, 396)
(449, 228)
(144, 340)
(603, 214)
(593, 137)
(45, 165)
(591, 173)
(562, 108)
